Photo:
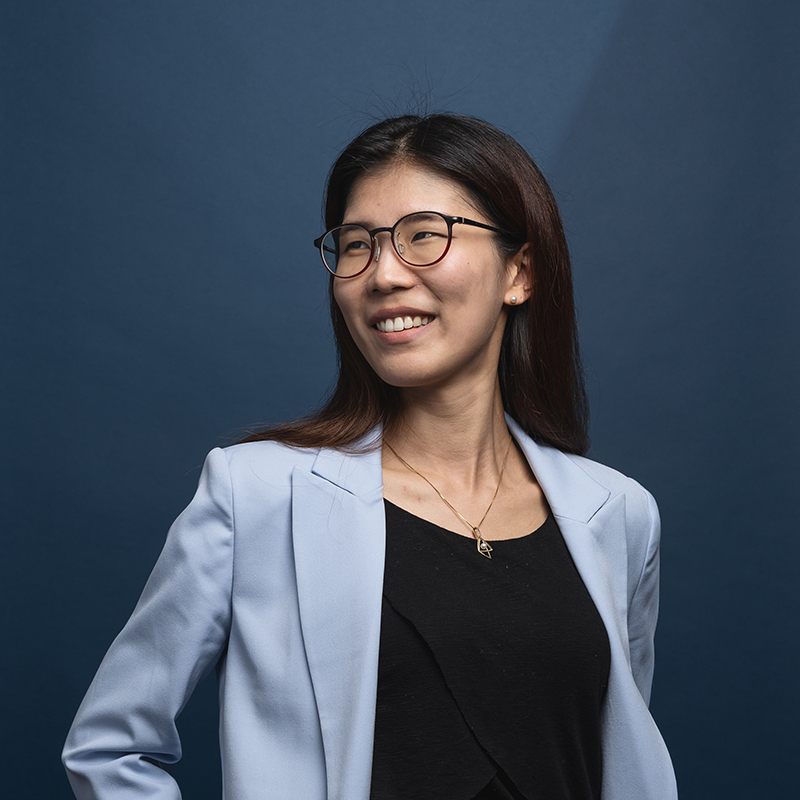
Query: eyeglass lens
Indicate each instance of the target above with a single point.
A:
(419, 239)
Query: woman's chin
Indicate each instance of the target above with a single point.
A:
(421, 380)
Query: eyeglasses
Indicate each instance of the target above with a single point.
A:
(420, 239)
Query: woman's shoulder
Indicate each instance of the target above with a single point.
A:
(613, 479)
(584, 474)
(641, 511)
(252, 481)
(268, 461)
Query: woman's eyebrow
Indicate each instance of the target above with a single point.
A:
(362, 223)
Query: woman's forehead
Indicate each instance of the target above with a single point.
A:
(401, 189)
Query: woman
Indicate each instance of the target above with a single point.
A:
(424, 590)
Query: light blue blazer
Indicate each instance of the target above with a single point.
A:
(275, 570)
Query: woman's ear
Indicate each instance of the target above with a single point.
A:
(520, 286)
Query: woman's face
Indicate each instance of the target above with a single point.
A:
(462, 297)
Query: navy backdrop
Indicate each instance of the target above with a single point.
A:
(162, 168)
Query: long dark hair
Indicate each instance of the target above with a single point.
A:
(540, 373)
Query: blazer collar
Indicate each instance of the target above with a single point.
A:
(571, 492)
(357, 470)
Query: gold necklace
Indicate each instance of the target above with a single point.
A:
(484, 548)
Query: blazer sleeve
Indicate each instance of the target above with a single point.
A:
(125, 728)
(643, 607)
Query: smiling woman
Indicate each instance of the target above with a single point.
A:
(424, 589)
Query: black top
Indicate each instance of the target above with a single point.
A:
(492, 673)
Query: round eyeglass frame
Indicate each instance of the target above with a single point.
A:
(449, 220)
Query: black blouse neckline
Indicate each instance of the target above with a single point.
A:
(501, 542)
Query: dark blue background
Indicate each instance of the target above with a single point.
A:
(162, 169)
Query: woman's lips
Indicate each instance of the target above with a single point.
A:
(401, 323)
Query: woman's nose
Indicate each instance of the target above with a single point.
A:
(388, 271)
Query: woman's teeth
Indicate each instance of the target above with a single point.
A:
(401, 323)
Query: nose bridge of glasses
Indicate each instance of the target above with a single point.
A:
(392, 231)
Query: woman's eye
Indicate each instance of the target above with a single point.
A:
(419, 235)
(350, 247)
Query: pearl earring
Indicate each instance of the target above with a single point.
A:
(513, 300)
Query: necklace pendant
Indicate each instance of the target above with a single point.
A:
(484, 548)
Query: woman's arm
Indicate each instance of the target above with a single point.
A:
(125, 727)
(643, 608)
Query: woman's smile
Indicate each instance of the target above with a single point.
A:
(400, 323)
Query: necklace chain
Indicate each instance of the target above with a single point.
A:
(484, 548)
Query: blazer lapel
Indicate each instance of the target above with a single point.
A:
(338, 529)
(592, 524)
(599, 552)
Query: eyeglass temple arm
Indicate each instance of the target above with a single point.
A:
(465, 221)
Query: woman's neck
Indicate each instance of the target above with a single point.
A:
(457, 434)
(452, 462)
